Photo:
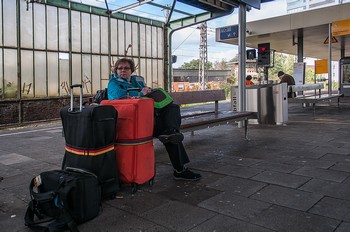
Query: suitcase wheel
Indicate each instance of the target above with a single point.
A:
(150, 182)
(134, 188)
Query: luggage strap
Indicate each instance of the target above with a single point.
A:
(89, 152)
(133, 142)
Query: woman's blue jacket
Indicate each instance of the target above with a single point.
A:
(118, 85)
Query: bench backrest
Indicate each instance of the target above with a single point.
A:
(298, 88)
(200, 96)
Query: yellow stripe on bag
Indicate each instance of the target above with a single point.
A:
(89, 152)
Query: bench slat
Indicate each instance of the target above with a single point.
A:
(215, 118)
(198, 96)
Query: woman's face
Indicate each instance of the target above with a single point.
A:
(124, 70)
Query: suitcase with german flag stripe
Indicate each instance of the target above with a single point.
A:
(90, 133)
(134, 147)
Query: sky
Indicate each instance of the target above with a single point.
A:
(186, 41)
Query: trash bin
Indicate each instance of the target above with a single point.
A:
(268, 100)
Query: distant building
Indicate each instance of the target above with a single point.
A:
(302, 5)
(191, 75)
(250, 68)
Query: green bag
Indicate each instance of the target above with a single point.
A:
(161, 98)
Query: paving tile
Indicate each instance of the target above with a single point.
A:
(14, 158)
(189, 192)
(240, 171)
(333, 208)
(223, 223)
(278, 167)
(234, 206)
(290, 220)
(336, 157)
(344, 227)
(331, 175)
(287, 197)
(111, 219)
(235, 185)
(329, 188)
(311, 162)
(178, 216)
(341, 166)
(283, 179)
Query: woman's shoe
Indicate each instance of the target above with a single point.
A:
(171, 138)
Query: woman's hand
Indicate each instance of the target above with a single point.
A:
(146, 90)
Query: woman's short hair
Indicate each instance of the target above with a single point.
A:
(249, 77)
(125, 60)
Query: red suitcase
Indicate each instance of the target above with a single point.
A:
(134, 147)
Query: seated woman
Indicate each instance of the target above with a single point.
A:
(167, 120)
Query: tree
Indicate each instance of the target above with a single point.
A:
(194, 64)
(221, 65)
(283, 62)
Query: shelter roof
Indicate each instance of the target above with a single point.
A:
(282, 32)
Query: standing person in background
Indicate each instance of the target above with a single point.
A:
(166, 123)
(248, 80)
(286, 78)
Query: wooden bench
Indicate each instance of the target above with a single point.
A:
(209, 118)
(311, 98)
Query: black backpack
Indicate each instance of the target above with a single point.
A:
(100, 95)
(61, 199)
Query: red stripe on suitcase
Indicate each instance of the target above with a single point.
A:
(89, 152)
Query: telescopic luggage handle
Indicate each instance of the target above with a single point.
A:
(133, 89)
(72, 97)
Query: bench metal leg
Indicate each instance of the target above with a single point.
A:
(246, 129)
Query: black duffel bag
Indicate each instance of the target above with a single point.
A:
(61, 199)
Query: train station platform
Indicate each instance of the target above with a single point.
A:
(285, 178)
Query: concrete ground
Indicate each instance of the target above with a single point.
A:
(285, 178)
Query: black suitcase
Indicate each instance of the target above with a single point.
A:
(63, 198)
(90, 133)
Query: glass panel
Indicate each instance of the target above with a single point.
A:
(87, 73)
(1, 73)
(52, 26)
(52, 74)
(104, 35)
(142, 40)
(1, 36)
(128, 30)
(76, 69)
(114, 36)
(76, 31)
(148, 77)
(86, 34)
(160, 42)
(148, 41)
(154, 42)
(10, 73)
(63, 30)
(160, 69)
(39, 26)
(96, 73)
(154, 73)
(121, 39)
(137, 66)
(95, 23)
(27, 79)
(142, 68)
(26, 20)
(64, 73)
(40, 74)
(105, 71)
(10, 23)
(135, 39)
